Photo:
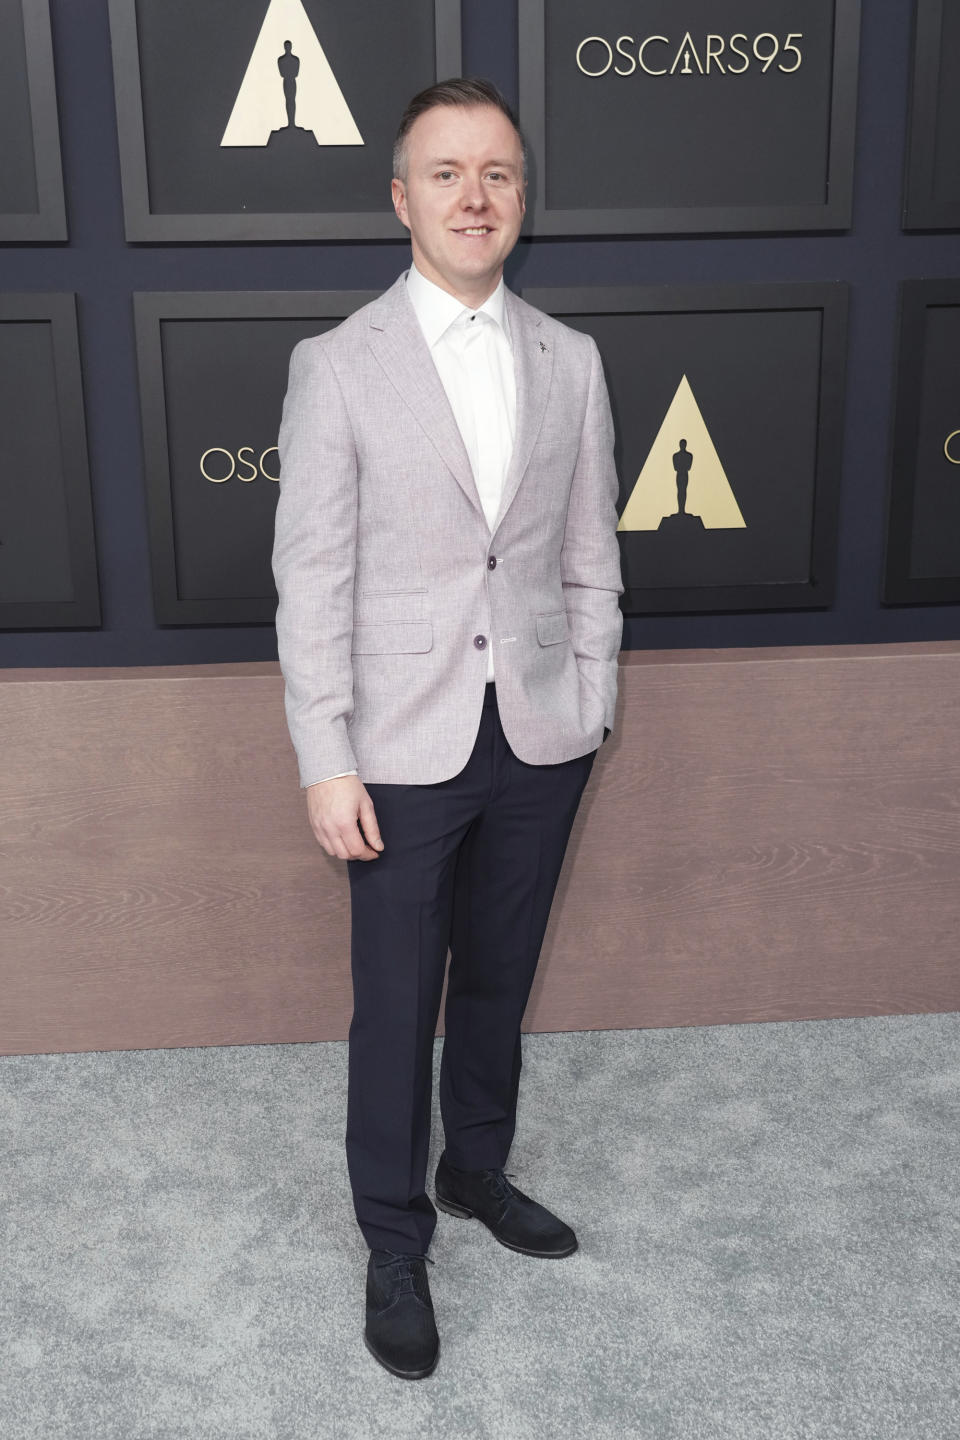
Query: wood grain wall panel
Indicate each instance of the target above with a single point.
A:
(767, 835)
(769, 839)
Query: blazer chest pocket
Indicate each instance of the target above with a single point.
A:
(392, 637)
(553, 628)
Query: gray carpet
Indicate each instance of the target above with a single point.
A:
(767, 1215)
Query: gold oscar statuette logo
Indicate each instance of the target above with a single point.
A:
(953, 439)
(727, 55)
(683, 485)
(245, 469)
(289, 87)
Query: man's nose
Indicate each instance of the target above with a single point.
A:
(472, 194)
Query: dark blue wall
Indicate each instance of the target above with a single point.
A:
(104, 271)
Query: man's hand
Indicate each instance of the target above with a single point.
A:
(333, 807)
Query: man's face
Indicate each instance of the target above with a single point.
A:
(463, 198)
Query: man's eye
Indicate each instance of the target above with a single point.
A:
(444, 174)
(497, 175)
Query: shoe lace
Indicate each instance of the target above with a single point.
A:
(499, 1183)
(404, 1262)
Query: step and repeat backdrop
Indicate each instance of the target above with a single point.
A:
(269, 123)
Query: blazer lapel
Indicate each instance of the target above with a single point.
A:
(533, 367)
(397, 341)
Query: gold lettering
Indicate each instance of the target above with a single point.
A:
(686, 47)
(715, 54)
(946, 447)
(766, 48)
(742, 53)
(626, 55)
(649, 41)
(216, 479)
(253, 469)
(241, 458)
(594, 40)
(788, 45)
(767, 59)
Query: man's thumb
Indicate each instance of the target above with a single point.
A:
(368, 820)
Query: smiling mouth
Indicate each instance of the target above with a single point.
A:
(475, 230)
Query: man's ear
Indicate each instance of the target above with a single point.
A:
(399, 195)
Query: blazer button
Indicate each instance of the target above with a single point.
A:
(492, 562)
(480, 641)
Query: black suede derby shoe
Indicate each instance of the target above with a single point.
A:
(401, 1331)
(511, 1217)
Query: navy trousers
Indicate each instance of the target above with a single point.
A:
(470, 864)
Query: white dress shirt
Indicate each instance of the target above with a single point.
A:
(473, 354)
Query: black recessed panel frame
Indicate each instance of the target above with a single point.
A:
(143, 224)
(59, 310)
(901, 586)
(922, 209)
(151, 310)
(831, 299)
(833, 214)
(48, 222)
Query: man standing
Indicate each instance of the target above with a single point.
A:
(448, 630)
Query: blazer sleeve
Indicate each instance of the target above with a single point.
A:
(314, 560)
(590, 557)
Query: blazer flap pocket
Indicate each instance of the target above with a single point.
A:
(392, 637)
(553, 627)
(388, 607)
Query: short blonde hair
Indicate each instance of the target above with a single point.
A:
(465, 91)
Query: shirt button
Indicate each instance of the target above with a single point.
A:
(492, 562)
(480, 641)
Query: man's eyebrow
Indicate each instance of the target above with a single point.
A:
(503, 164)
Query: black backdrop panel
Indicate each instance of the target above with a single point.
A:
(206, 146)
(692, 116)
(933, 167)
(18, 179)
(213, 374)
(47, 562)
(923, 538)
(732, 396)
(31, 186)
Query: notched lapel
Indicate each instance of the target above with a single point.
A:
(533, 368)
(398, 344)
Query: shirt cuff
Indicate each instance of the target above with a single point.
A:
(330, 777)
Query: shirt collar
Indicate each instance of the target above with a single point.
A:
(436, 309)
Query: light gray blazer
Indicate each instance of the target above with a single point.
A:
(382, 554)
